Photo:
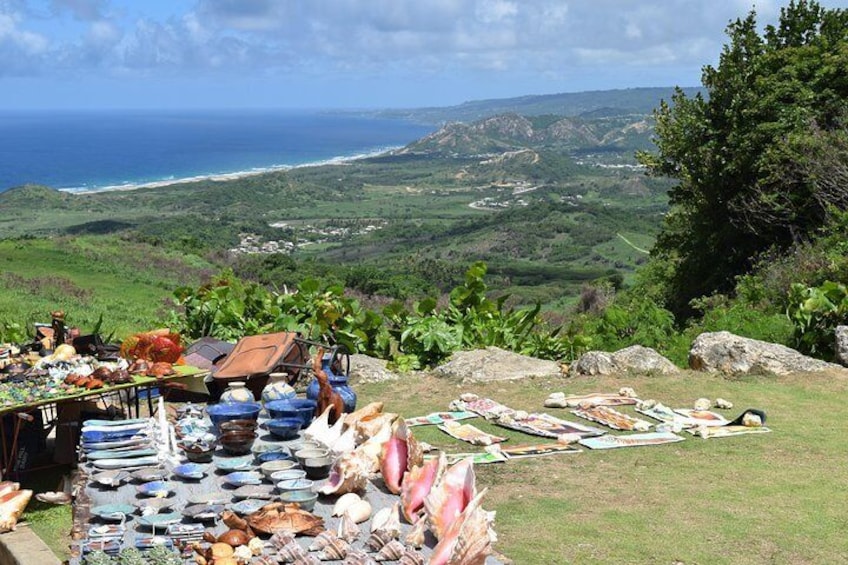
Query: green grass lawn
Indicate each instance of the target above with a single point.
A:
(771, 498)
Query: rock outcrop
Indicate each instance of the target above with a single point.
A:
(728, 353)
(495, 364)
(841, 345)
(633, 359)
(365, 369)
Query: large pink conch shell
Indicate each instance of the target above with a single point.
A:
(349, 474)
(449, 497)
(466, 541)
(417, 483)
(398, 455)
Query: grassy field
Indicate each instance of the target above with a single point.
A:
(771, 498)
(126, 282)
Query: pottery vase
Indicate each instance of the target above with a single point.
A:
(278, 388)
(237, 392)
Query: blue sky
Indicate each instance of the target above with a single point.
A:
(349, 53)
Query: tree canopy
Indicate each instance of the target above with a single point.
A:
(762, 159)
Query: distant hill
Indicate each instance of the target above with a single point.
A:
(589, 104)
(511, 132)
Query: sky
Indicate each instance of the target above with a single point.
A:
(163, 54)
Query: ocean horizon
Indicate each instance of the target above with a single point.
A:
(85, 151)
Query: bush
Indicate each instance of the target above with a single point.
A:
(815, 312)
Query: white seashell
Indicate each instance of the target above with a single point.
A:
(392, 551)
(468, 397)
(627, 392)
(348, 530)
(359, 511)
(703, 404)
(335, 550)
(387, 519)
(256, 546)
(319, 426)
(243, 553)
(345, 443)
(344, 502)
(723, 404)
(646, 404)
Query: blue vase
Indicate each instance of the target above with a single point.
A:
(339, 384)
(277, 388)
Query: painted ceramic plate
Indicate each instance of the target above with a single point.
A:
(155, 489)
(110, 423)
(254, 491)
(241, 478)
(247, 506)
(147, 506)
(125, 463)
(120, 453)
(235, 463)
(132, 442)
(190, 471)
(202, 512)
(113, 512)
(209, 498)
(160, 520)
(148, 474)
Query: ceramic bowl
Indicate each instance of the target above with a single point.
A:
(238, 425)
(306, 499)
(112, 512)
(203, 512)
(241, 478)
(318, 467)
(310, 453)
(254, 491)
(271, 467)
(237, 443)
(302, 408)
(307, 444)
(220, 413)
(274, 456)
(284, 429)
(247, 506)
(295, 484)
(155, 489)
(190, 471)
(110, 479)
(199, 452)
(147, 506)
(287, 475)
(229, 464)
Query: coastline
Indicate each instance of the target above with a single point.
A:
(221, 177)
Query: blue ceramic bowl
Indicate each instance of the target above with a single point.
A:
(267, 456)
(302, 408)
(241, 478)
(284, 428)
(220, 413)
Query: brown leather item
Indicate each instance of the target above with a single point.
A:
(261, 354)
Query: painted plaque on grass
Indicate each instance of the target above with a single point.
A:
(635, 440)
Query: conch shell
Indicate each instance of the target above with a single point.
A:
(349, 474)
(321, 431)
(368, 411)
(466, 541)
(399, 454)
(344, 502)
(449, 497)
(416, 536)
(370, 426)
(417, 483)
(388, 520)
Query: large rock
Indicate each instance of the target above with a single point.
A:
(633, 359)
(365, 369)
(728, 353)
(841, 345)
(495, 364)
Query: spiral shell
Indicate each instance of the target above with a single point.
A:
(378, 540)
(348, 530)
(359, 557)
(387, 519)
(335, 550)
(411, 557)
(415, 537)
(281, 539)
(291, 552)
(322, 540)
(392, 551)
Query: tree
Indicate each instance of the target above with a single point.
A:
(756, 157)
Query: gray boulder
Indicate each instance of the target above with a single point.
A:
(495, 364)
(633, 359)
(365, 369)
(841, 346)
(728, 353)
